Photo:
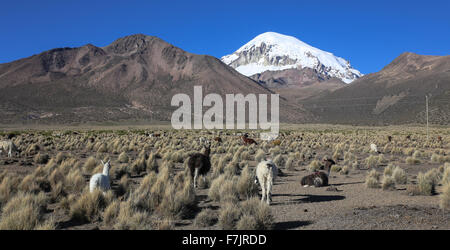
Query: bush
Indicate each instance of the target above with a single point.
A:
(314, 166)
(41, 158)
(123, 157)
(388, 183)
(399, 175)
(412, 160)
(23, 212)
(425, 184)
(246, 186)
(228, 216)
(444, 201)
(372, 179)
(206, 218)
(88, 207)
(344, 170)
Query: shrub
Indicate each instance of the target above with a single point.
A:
(260, 154)
(388, 183)
(246, 186)
(372, 179)
(426, 185)
(123, 157)
(89, 165)
(88, 207)
(23, 212)
(314, 166)
(261, 213)
(335, 168)
(372, 161)
(344, 170)
(41, 158)
(399, 175)
(228, 216)
(412, 160)
(206, 218)
(131, 219)
(444, 201)
(389, 170)
(290, 163)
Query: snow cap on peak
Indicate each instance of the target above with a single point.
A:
(274, 51)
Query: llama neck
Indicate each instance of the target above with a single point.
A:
(207, 151)
(106, 170)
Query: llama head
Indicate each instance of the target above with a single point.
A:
(207, 146)
(106, 167)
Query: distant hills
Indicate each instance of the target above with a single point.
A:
(135, 77)
(395, 95)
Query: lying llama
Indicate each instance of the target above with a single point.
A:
(9, 147)
(266, 172)
(101, 180)
(200, 164)
(248, 141)
(218, 139)
(318, 178)
(373, 148)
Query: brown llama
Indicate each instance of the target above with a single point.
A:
(248, 141)
(199, 164)
(318, 178)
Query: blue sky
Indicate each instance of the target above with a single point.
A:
(369, 35)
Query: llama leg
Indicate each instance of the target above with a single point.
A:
(263, 191)
(269, 190)
(195, 177)
(9, 153)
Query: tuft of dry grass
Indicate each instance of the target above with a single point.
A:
(444, 201)
(388, 183)
(23, 212)
(123, 157)
(88, 207)
(345, 170)
(412, 160)
(399, 175)
(111, 212)
(258, 210)
(131, 219)
(425, 184)
(41, 158)
(246, 186)
(373, 179)
(229, 215)
(314, 166)
(89, 165)
(205, 218)
(260, 154)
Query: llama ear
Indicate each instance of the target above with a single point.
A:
(102, 162)
(109, 161)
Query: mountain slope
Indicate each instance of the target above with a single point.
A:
(394, 95)
(134, 77)
(272, 51)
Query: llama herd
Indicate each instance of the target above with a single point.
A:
(199, 164)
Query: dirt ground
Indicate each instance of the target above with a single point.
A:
(351, 205)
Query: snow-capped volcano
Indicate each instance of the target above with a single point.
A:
(273, 51)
